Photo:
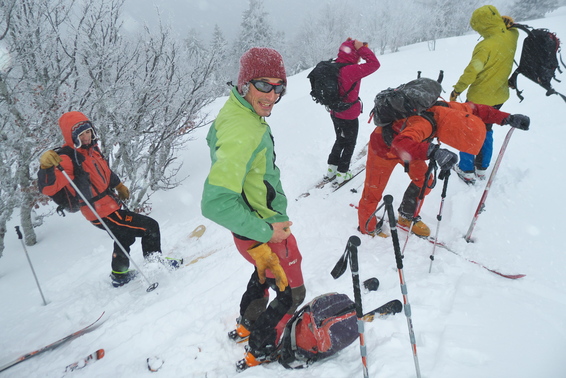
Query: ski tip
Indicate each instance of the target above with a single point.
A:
(99, 354)
(198, 231)
(512, 276)
(396, 306)
(371, 284)
(154, 363)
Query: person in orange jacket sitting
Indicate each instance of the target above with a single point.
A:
(95, 180)
(409, 142)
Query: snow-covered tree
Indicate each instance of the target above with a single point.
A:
(31, 98)
(531, 9)
(144, 95)
(255, 31)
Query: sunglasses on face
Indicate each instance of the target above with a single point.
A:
(265, 87)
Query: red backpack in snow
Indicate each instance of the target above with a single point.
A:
(318, 330)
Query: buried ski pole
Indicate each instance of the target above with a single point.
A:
(351, 255)
(445, 175)
(152, 286)
(30, 264)
(388, 199)
(481, 204)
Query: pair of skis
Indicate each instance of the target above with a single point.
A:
(77, 365)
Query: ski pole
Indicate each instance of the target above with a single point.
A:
(388, 199)
(352, 246)
(30, 264)
(351, 255)
(481, 204)
(152, 286)
(420, 199)
(439, 216)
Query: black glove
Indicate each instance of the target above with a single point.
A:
(444, 158)
(518, 121)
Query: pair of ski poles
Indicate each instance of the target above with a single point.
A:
(351, 256)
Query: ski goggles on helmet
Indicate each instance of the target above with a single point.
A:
(266, 87)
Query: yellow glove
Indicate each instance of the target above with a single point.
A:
(266, 259)
(123, 191)
(49, 159)
(454, 95)
(508, 21)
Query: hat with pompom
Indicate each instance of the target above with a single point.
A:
(260, 62)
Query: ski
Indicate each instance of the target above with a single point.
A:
(440, 244)
(85, 361)
(197, 232)
(355, 172)
(358, 168)
(390, 308)
(335, 186)
(154, 364)
(55, 344)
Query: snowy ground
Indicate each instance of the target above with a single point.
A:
(468, 322)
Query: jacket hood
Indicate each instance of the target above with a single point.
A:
(487, 21)
(348, 53)
(72, 124)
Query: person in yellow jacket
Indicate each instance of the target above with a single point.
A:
(486, 77)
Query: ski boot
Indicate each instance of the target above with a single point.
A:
(122, 278)
(242, 332)
(419, 227)
(252, 358)
(468, 177)
(169, 262)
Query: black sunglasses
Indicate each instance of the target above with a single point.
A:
(265, 87)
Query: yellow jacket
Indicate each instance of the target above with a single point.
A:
(492, 59)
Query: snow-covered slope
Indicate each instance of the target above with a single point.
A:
(468, 322)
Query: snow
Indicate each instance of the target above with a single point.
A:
(468, 322)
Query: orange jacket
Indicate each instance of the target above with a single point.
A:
(459, 125)
(100, 176)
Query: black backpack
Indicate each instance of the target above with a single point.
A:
(321, 328)
(412, 98)
(539, 60)
(325, 88)
(64, 198)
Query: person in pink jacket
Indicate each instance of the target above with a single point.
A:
(346, 123)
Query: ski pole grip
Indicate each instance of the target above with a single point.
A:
(388, 199)
(355, 241)
(19, 232)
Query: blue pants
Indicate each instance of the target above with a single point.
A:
(469, 162)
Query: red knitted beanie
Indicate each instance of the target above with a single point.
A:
(260, 62)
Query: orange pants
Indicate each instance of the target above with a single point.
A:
(378, 171)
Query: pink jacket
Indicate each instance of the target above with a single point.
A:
(353, 73)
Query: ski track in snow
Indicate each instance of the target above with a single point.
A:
(468, 322)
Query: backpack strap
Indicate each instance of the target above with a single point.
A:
(429, 116)
(80, 174)
(351, 88)
(288, 346)
(526, 28)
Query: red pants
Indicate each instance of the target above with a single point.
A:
(289, 257)
(268, 321)
(378, 171)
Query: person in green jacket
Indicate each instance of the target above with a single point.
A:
(243, 193)
(486, 78)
